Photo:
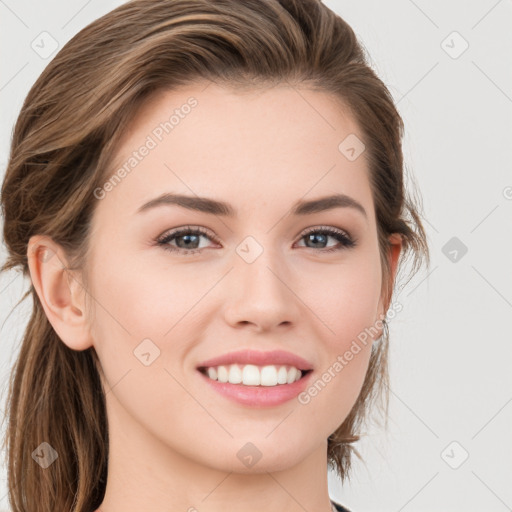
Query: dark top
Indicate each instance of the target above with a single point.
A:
(340, 508)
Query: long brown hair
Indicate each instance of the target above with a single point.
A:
(62, 144)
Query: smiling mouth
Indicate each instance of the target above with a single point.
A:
(254, 376)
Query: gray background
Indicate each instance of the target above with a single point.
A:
(448, 445)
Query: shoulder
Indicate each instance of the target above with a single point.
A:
(340, 508)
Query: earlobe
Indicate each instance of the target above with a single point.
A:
(59, 292)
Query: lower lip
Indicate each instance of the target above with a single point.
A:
(259, 396)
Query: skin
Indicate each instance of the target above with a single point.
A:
(173, 441)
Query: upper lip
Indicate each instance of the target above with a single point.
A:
(273, 357)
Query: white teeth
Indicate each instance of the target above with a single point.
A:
(222, 374)
(282, 375)
(268, 376)
(235, 374)
(292, 375)
(252, 375)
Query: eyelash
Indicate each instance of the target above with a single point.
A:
(163, 241)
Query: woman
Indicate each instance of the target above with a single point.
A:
(208, 199)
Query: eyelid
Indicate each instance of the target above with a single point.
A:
(320, 227)
(185, 229)
(207, 232)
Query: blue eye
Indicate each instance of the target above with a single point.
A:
(190, 238)
(324, 233)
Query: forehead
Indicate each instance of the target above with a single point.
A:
(253, 146)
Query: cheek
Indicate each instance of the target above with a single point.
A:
(347, 305)
(144, 314)
(139, 300)
(355, 309)
(140, 322)
(345, 298)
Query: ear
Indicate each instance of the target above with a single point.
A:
(59, 291)
(393, 255)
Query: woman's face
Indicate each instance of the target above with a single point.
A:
(251, 280)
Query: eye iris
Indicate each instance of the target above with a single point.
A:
(314, 237)
(188, 243)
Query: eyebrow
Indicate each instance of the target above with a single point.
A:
(215, 207)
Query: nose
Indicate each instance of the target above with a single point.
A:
(261, 294)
